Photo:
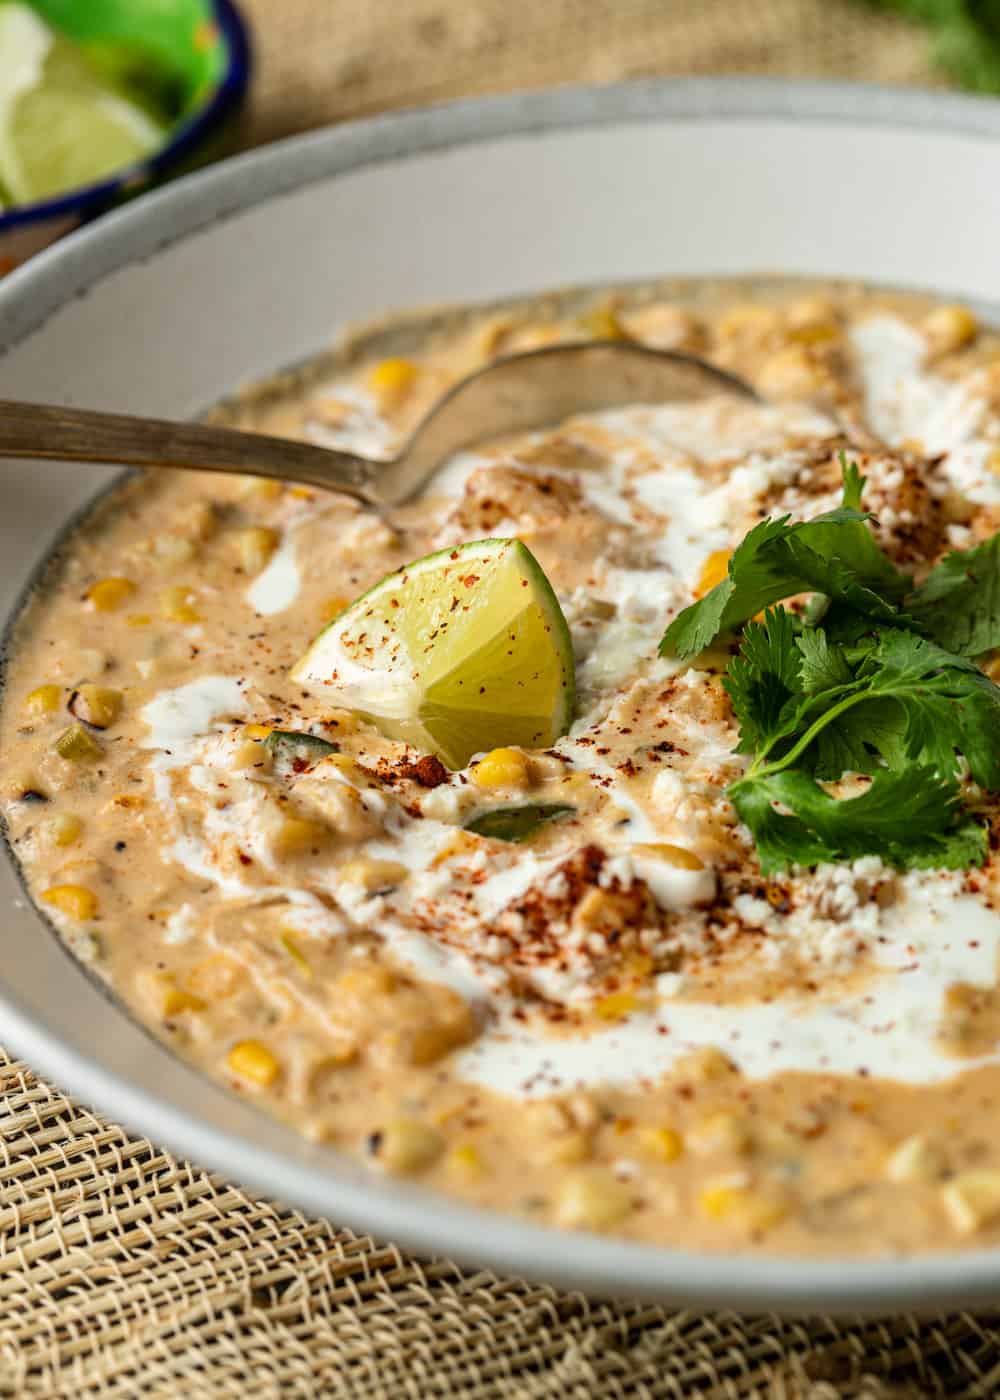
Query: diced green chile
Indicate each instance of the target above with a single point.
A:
(294, 751)
(517, 823)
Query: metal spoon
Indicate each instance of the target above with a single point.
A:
(512, 394)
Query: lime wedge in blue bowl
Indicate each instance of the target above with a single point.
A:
(102, 100)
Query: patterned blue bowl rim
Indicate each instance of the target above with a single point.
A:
(226, 97)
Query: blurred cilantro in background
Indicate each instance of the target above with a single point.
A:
(966, 37)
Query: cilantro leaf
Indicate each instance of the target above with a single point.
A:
(902, 698)
(899, 708)
(947, 705)
(763, 678)
(834, 554)
(853, 687)
(958, 603)
(910, 818)
(822, 666)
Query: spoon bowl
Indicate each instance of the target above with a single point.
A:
(515, 393)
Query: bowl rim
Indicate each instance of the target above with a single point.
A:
(226, 96)
(412, 1215)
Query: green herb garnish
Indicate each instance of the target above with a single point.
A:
(958, 604)
(517, 823)
(835, 555)
(883, 689)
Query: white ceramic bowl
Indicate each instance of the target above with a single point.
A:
(238, 271)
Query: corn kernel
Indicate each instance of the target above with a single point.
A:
(502, 768)
(490, 337)
(789, 374)
(200, 519)
(329, 410)
(297, 835)
(638, 966)
(75, 745)
(372, 875)
(662, 1143)
(972, 1199)
(256, 547)
(216, 978)
(678, 856)
(391, 380)
(296, 954)
(721, 1132)
(615, 1006)
(84, 870)
(718, 1202)
(363, 982)
(262, 488)
(108, 594)
(915, 1159)
(463, 843)
(249, 754)
(177, 604)
(301, 493)
(948, 328)
(751, 1210)
(343, 721)
(64, 829)
(347, 765)
(257, 731)
(592, 1200)
(96, 704)
(812, 311)
(75, 900)
(253, 1061)
(138, 619)
(704, 1065)
(750, 321)
(534, 337)
(43, 700)
(713, 571)
(815, 333)
(603, 324)
(599, 911)
(171, 551)
(566, 1150)
(464, 1161)
(163, 996)
(407, 1145)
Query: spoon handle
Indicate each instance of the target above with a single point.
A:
(81, 435)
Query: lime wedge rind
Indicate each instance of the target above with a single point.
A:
(460, 651)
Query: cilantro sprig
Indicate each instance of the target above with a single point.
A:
(872, 683)
(835, 555)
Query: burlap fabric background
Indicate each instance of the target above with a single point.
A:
(126, 1273)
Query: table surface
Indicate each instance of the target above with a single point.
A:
(124, 1272)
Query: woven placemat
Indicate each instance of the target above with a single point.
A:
(124, 1272)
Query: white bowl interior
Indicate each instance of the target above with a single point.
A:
(241, 270)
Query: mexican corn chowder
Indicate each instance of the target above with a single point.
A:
(562, 978)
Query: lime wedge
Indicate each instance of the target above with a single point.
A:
(461, 651)
(60, 126)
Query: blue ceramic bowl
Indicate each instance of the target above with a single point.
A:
(26, 229)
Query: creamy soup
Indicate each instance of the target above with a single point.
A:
(617, 1023)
